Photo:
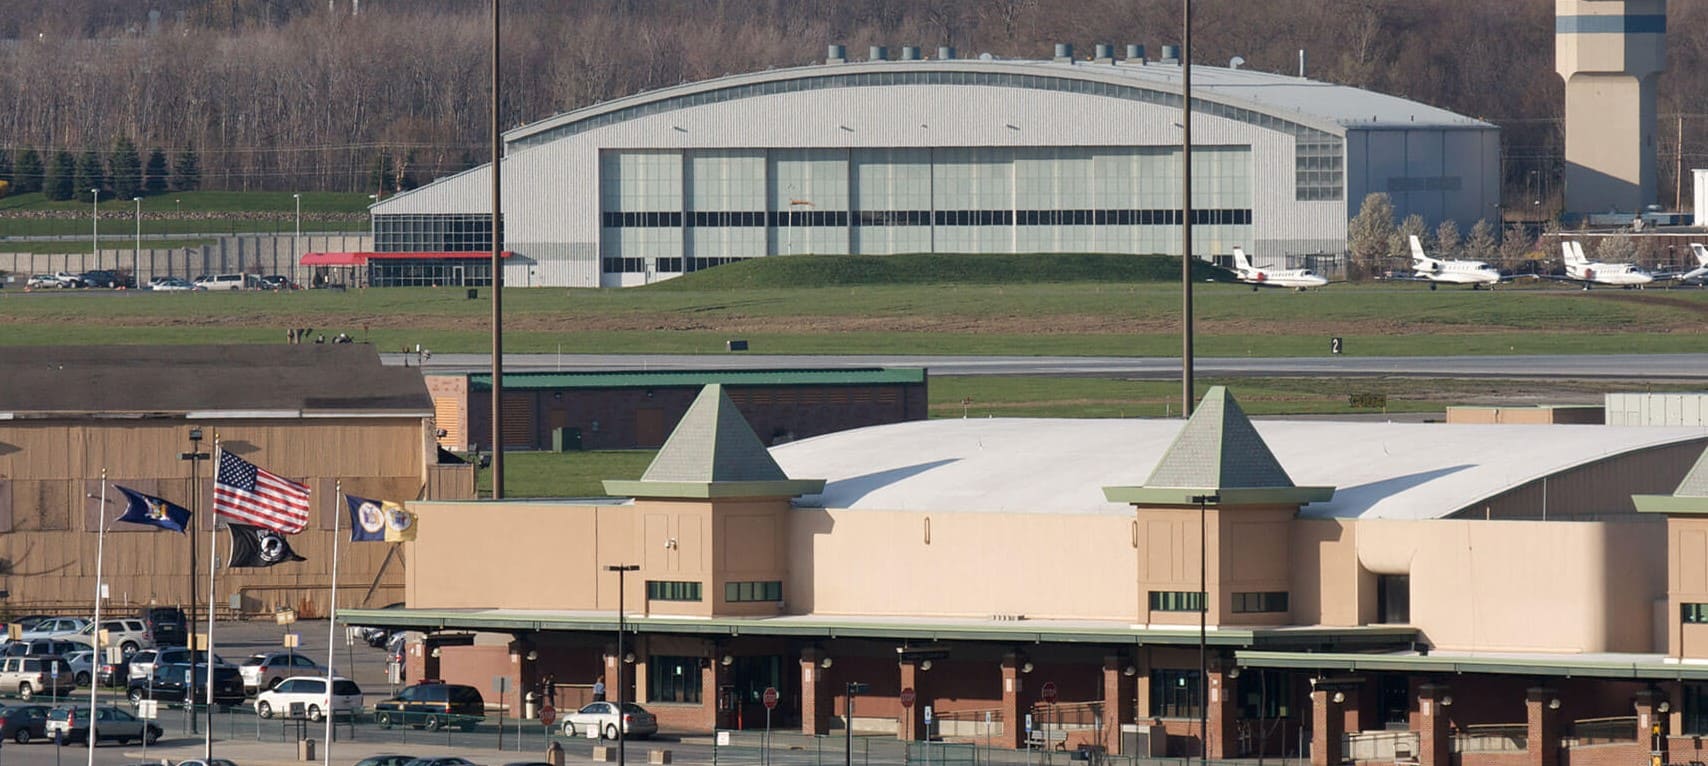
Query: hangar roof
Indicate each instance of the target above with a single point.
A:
(1309, 103)
(1382, 470)
(277, 381)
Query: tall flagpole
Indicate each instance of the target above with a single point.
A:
(213, 566)
(100, 559)
(332, 627)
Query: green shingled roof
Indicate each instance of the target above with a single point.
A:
(713, 453)
(1220, 453)
(1691, 497)
(533, 381)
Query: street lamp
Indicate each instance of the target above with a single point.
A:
(848, 720)
(136, 256)
(195, 456)
(622, 658)
(95, 227)
(298, 198)
(1203, 501)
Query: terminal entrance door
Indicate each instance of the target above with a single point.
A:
(747, 681)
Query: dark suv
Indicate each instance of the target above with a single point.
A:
(165, 625)
(170, 680)
(103, 278)
(432, 705)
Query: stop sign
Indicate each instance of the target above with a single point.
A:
(907, 697)
(548, 714)
(1048, 692)
(769, 697)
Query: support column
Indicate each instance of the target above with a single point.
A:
(712, 674)
(1013, 714)
(1328, 722)
(817, 694)
(912, 723)
(1119, 702)
(1221, 741)
(1434, 744)
(1544, 727)
(1647, 718)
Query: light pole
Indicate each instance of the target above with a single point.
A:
(95, 228)
(622, 658)
(848, 721)
(195, 456)
(136, 256)
(298, 198)
(1203, 625)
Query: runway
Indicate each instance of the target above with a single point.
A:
(1657, 367)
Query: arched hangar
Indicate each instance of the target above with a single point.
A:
(942, 155)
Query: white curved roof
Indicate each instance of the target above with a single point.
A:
(1381, 470)
(1325, 106)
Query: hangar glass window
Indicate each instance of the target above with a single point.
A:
(433, 233)
(771, 590)
(672, 590)
(1393, 599)
(672, 679)
(1177, 601)
(1174, 693)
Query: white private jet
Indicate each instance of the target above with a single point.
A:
(1591, 273)
(1298, 279)
(1437, 271)
(1698, 275)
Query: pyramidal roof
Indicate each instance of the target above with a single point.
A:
(1219, 458)
(713, 453)
(1691, 497)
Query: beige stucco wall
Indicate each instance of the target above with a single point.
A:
(1524, 586)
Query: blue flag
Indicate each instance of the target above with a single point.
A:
(153, 511)
(367, 519)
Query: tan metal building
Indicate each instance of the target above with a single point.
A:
(1354, 578)
(319, 414)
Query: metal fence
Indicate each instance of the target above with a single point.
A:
(1492, 738)
(1603, 731)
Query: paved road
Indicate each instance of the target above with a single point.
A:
(1678, 367)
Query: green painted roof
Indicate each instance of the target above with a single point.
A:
(1691, 497)
(713, 453)
(522, 381)
(1220, 453)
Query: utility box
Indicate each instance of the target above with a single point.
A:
(305, 749)
(566, 440)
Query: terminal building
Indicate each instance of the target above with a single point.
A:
(1442, 594)
(939, 155)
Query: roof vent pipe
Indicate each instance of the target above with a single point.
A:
(909, 53)
(836, 54)
(1105, 53)
(945, 52)
(1236, 62)
(1301, 63)
(1064, 52)
(1136, 53)
(1170, 54)
(879, 53)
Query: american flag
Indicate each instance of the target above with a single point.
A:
(246, 493)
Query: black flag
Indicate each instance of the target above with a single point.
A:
(259, 547)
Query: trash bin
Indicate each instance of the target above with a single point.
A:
(530, 706)
(305, 749)
(566, 440)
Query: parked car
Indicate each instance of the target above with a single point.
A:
(222, 281)
(30, 676)
(432, 705)
(111, 673)
(103, 278)
(29, 620)
(129, 634)
(388, 759)
(310, 694)
(23, 723)
(265, 671)
(450, 760)
(41, 646)
(111, 723)
(174, 682)
(598, 720)
(142, 663)
(276, 282)
(54, 627)
(202, 762)
(165, 625)
(68, 280)
(82, 664)
(42, 281)
(173, 284)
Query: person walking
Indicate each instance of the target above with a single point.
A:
(599, 689)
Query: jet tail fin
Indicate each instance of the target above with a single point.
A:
(1417, 253)
(1573, 252)
(1701, 253)
(1241, 261)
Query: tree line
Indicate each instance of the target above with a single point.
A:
(308, 94)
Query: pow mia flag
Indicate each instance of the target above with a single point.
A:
(259, 547)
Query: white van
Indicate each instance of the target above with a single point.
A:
(222, 282)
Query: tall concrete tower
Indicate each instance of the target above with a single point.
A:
(1609, 52)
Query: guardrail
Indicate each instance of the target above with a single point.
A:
(1397, 746)
(1603, 731)
(1492, 738)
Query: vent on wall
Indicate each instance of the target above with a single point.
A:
(1007, 617)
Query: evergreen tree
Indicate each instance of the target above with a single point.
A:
(6, 168)
(154, 174)
(60, 183)
(27, 172)
(187, 173)
(125, 165)
(91, 174)
(382, 177)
